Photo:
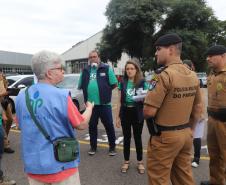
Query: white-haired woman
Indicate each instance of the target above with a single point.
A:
(58, 116)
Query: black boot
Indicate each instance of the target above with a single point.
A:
(9, 150)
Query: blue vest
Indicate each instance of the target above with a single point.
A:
(138, 105)
(50, 108)
(105, 89)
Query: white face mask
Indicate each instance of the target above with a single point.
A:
(93, 64)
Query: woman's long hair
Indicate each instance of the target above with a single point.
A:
(139, 75)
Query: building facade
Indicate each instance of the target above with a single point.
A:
(76, 58)
(15, 63)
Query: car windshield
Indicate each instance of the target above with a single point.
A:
(69, 82)
(12, 79)
(201, 75)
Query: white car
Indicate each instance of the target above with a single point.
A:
(15, 84)
(70, 82)
(202, 78)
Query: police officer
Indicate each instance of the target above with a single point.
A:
(7, 112)
(3, 84)
(3, 92)
(216, 83)
(171, 102)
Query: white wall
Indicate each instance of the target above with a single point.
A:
(81, 50)
(121, 64)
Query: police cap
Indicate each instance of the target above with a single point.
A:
(216, 50)
(168, 39)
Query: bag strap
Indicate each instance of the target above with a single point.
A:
(28, 103)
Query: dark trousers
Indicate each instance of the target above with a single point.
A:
(131, 120)
(104, 112)
(7, 126)
(1, 149)
(197, 148)
(1, 140)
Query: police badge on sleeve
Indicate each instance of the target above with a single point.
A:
(153, 82)
(154, 79)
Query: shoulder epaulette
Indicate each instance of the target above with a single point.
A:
(159, 70)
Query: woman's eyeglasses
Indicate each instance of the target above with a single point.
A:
(58, 68)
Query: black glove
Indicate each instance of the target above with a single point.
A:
(152, 127)
(5, 102)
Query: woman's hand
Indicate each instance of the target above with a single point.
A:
(89, 105)
(118, 122)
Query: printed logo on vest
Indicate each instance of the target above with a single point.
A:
(130, 92)
(93, 76)
(36, 102)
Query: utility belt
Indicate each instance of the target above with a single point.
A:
(218, 114)
(155, 129)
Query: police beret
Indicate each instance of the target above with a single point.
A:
(216, 50)
(168, 39)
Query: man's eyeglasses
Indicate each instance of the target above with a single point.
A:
(92, 56)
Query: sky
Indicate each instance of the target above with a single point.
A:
(30, 26)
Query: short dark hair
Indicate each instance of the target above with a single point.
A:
(178, 46)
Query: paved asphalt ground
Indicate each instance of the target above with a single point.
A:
(100, 169)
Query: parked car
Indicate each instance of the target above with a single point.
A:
(202, 78)
(15, 84)
(70, 82)
(149, 76)
(19, 81)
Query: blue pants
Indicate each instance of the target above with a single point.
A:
(104, 112)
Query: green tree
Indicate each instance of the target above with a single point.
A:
(218, 36)
(134, 25)
(130, 29)
(195, 22)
